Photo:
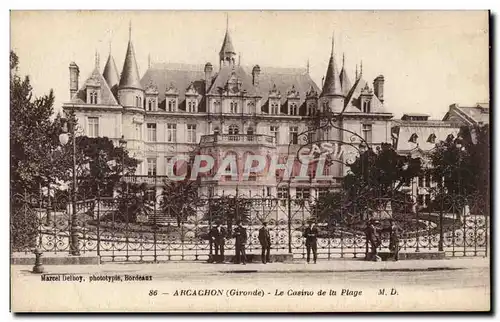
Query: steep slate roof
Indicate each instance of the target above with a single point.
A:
(225, 73)
(130, 72)
(111, 74)
(107, 97)
(352, 100)
(227, 45)
(332, 85)
(344, 79)
(182, 75)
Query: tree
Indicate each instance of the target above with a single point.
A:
(133, 199)
(228, 210)
(461, 167)
(180, 199)
(375, 178)
(32, 141)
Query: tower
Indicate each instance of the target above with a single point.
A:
(227, 54)
(130, 91)
(332, 97)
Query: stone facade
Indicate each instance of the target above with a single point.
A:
(176, 109)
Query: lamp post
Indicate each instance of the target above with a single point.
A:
(69, 126)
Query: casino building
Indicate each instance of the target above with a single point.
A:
(224, 108)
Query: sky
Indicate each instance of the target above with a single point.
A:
(430, 59)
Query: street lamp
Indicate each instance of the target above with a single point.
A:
(123, 146)
(69, 127)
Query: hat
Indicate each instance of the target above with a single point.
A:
(264, 222)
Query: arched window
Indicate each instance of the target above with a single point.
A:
(233, 107)
(233, 129)
(293, 109)
(274, 108)
(93, 98)
(150, 105)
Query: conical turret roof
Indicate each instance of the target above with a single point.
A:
(110, 72)
(332, 85)
(227, 45)
(130, 72)
(345, 82)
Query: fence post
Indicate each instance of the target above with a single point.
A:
(98, 220)
(289, 221)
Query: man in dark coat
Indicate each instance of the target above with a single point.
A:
(311, 235)
(217, 236)
(240, 234)
(394, 233)
(265, 243)
(373, 238)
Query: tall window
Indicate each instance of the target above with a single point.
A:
(310, 134)
(367, 132)
(93, 98)
(274, 108)
(151, 167)
(191, 133)
(302, 193)
(233, 129)
(293, 109)
(138, 102)
(150, 104)
(93, 127)
(171, 132)
(151, 132)
(310, 109)
(274, 132)
(294, 132)
(250, 133)
(171, 106)
(282, 195)
(367, 106)
(191, 106)
(233, 107)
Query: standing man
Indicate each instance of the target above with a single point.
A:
(394, 233)
(218, 235)
(265, 243)
(311, 233)
(372, 236)
(240, 234)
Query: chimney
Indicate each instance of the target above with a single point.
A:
(74, 73)
(255, 75)
(208, 76)
(378, 87)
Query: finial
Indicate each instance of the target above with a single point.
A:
(110, 46)
(149, 60)
(333, 43)
(96, 59)
(356, 71)
(227, 21)
(239, 59)
(129, 30)
(343, 60)
(361, 69)
(308, 65)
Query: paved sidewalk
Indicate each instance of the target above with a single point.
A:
(296, 266)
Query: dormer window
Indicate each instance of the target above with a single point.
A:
(432, 138)
(191, 107)
(413, 138)
(233, 107)
(93, 98)
(171, 105)
(274, 108)
(293, 109)
(310, 109)
(151, 104)
(367, 106)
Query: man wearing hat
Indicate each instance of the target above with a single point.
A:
(240, 234)
(265, 243)
(217, 236)
(311, 233)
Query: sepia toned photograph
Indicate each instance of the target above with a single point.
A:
(250, 161)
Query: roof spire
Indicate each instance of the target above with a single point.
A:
(333, 44)
(361, 69)
(308, 65)
(356, 71)
(130, 30)
(96, 60)
(110, 46)
(227, 22)
(227, 53)
(130, 72)
(343, 60)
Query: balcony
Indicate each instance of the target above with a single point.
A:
(238, 140)
(151, 180)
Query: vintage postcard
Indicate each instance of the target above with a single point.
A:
(249, 161)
